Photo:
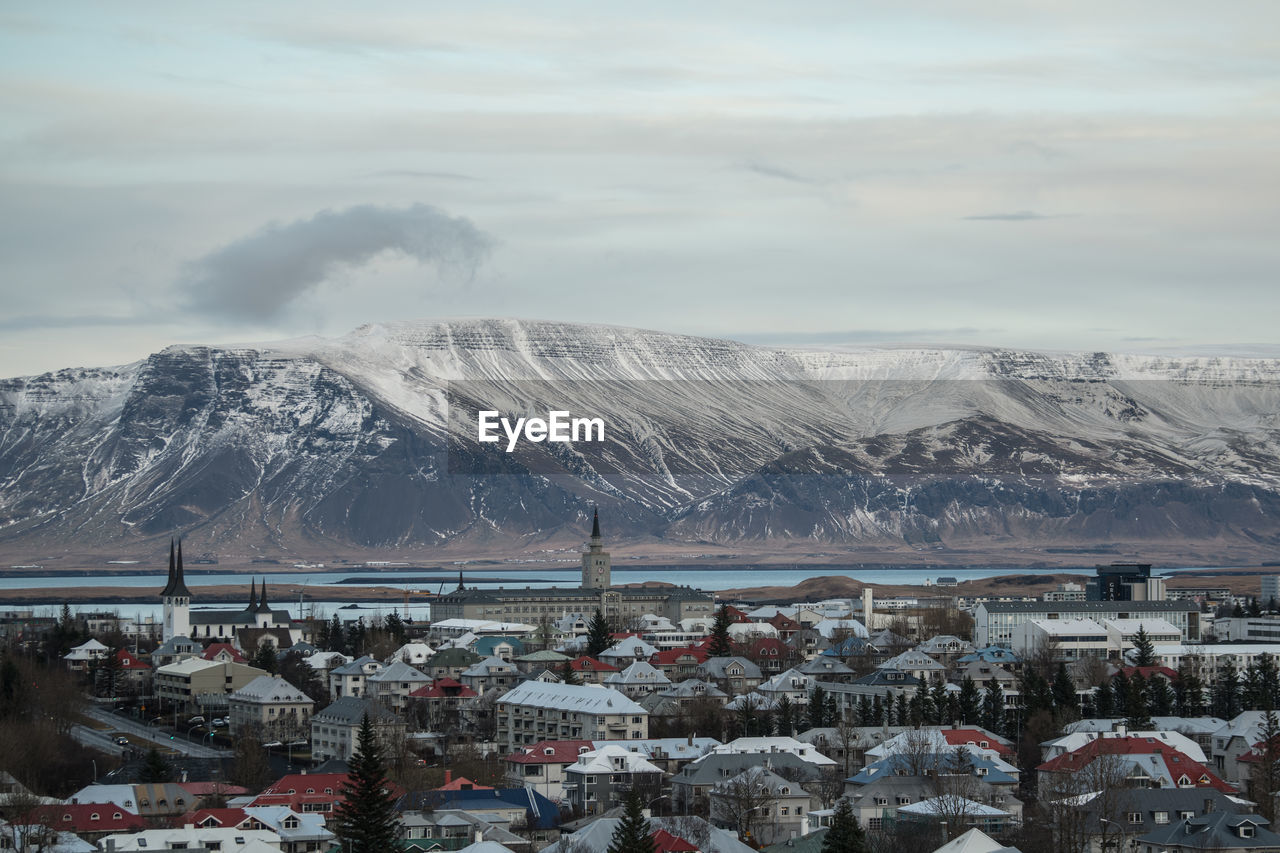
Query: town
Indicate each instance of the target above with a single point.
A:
(1112, 716)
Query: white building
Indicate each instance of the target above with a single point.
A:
(280, 710)
(191, 837)
(1071, 639)
(537, 711)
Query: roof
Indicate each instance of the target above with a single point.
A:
(1090, 606)
(269, 688)
(1168, 764)
(590, 664)
(550, 752)
(542, 813)
(974, 841)
(176, 585)
(214, 648)
(665, 842)
(612, 759)
(90, 817)
(571, 697)
(951, 804)
(399, 671)
(597, 834)
(128, 660)
(349, 710)
(1215, 831)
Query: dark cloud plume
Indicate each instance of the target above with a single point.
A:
(1016, 216)
(258, 276)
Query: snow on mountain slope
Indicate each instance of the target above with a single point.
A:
(363, 440)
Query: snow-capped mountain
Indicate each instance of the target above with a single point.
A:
(368, 441)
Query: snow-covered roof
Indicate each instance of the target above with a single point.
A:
(269, 688)
(571, 697)
(612, 759)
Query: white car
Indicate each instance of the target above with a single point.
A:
(219, 722)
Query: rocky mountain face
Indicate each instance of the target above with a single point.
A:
(369, 441)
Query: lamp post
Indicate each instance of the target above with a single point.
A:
(1120, 843)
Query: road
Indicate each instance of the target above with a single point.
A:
(139, 732)
(99, 740)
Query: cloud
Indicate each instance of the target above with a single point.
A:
(770, 171)
(1016, 216)
(257, 277)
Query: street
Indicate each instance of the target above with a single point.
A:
(139, 731)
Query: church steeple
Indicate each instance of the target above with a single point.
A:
(253, 596)
(263, 607)
(175, 597)
(176, 585)
(596, 563)
(461, 587)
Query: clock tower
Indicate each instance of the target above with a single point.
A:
(596, 563)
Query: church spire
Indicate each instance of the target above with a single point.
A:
(595, 524)
(461, 587)
(176, 585)
(262, 602)
(253, 595)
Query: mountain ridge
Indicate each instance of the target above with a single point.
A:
(347, 443)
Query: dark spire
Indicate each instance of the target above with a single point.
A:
(262, 602)
(176, 586)
(595, 524)
(168, 587)
(460, 585)
(253, 595)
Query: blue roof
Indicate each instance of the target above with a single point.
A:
(486, 645)
(848, 646)
(991, 654)
(542, 813)
(890, 765)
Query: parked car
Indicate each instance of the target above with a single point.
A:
(220, 722)
(195, 720)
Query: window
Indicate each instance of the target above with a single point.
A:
(1135, 817)
(1161, 817)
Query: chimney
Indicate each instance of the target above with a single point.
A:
(448, 776)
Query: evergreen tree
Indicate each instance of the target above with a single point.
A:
(904, 712)
(786, 717)
(721, 646)
(632, 834)
(864, 711)
(567, 673)
(1264, 778)
(993, 708)
(322, 635)
(1268, 683)
(939, 697)
(878, 711)
(817, 707)
(394, 626)
(1226, 693)
(969, 701)
(1254, 610)
(265, 658)
(366, 819)
(1137, 708)
(1103, 702)
(355, 637)
(1064, 693)
(1161, 697)
(1237, 612)
(1190, 691)
(1144, 651)
(845, 835)
(598, 639)
(337, 636)
(155, 769)
(831, 710)
(1119, 693)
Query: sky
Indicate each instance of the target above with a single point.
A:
(1044, 175)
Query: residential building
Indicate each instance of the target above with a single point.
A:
(279, 710)
(393, 683)
(995, 621)
(536, 711)
(334, 730)
(349, 679)
(602, 779)
(202, 685)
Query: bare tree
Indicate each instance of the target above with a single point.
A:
(745, 803)
(1091, 802)
(918, 751)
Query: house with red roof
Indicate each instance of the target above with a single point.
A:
(462, 783)
(592, 671)
(304, 792)
(680, 663)
(1150, 672)
(223, 652)
(771, 654)
(1147, 763)
(976, 736)
(665, 842)
(90, 821)
(541, 766)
